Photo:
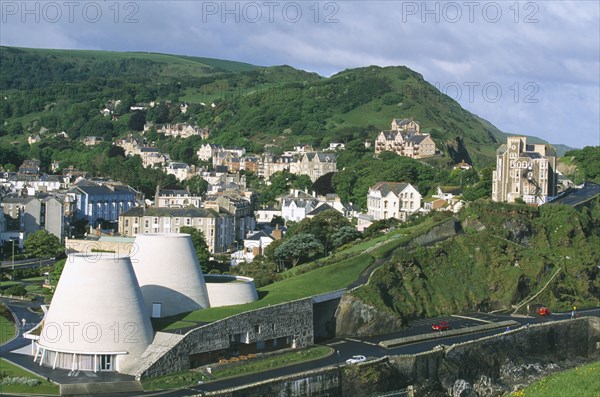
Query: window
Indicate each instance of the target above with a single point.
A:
(177, 221)
(106, 362)
(188, 221)
(146, 223)
(126, 222)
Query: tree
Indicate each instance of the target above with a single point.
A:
(323, 226)
(57, 271)
(277, 220)
(344, 235)
(200, 246)
(197, 185)
(137, 121)
(300, 247)
(42, 244)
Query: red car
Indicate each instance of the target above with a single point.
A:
(441, 326)
(544, 311)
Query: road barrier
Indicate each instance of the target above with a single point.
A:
(388, 344)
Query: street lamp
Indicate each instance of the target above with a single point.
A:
(13, 254)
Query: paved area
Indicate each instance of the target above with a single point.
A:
(579, 196)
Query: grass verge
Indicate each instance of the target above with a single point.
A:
(11, 370)
(583, 381)
(190, 378)
(7, 329)
(272, 362)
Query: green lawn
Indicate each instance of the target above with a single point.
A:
(322, 280)
(190, 378)
(4, 284)
(35, 279)
(583, 381)
(12, 370)
(7, 329)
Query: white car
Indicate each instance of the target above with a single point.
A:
(356, 359)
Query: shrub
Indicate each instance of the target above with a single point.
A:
(16, 290)
(19, 380)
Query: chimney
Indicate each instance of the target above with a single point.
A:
(277, 233)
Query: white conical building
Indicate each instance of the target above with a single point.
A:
(97, 319)
(169, 274)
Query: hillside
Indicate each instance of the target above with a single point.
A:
(507, 254)
(252, 105)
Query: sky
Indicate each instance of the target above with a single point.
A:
(529, 67)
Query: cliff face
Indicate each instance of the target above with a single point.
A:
(355, 318)
(511, 361)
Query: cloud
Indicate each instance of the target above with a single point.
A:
(554, 46)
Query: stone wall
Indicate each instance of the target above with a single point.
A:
(487, 367)
(320, 383)
(292, 319)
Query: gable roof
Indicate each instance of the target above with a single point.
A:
(387, 187)
(417, 139)
(321, 208)
(321, 157)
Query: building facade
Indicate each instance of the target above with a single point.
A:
(218, 228)
(405, 139)
(315, 165)
(26, 215)
(106, 202)
(392, 200)
(523, 171)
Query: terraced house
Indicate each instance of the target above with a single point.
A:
(218, 228)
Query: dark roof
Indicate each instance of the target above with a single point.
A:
(300, 203)
(402, 121)
(531, 155)
(321, 208)
(174, 192)
(103, 190)
(257, 236)
(149, 150)
(322, 157)
(418, 138)
(172, 212)
(386, 187)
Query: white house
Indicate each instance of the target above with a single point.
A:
(392, 200)
(296, 205)
(255, 244)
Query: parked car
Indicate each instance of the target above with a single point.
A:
(441, 326)
(356, 359)
(544, 311)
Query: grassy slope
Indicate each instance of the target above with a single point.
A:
(270, 99)
(184, 63)
(7, 329)
(321, 276)
(583, 381)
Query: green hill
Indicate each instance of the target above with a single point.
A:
(508, 254)
(249, 105)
